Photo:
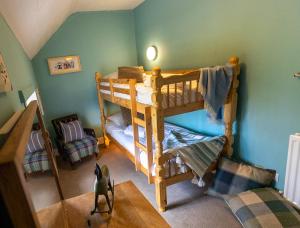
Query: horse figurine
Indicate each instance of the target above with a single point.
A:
(101, 187)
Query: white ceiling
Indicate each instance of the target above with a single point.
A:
(35, 21)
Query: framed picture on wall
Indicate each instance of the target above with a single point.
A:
(64, 65)
(5, 83)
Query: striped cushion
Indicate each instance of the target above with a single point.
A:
(233, 178)
(72, 131)
(35, 142)
(263, 207)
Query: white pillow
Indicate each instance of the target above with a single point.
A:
(129, 131)
(117, 119)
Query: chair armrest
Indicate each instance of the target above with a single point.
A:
(90, 131)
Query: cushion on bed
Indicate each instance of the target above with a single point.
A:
(81, 148)
(35, 142)
(232, 178)
(263, 207)
(117, 119)
(72, 131)
(36, 161)
(129, 131)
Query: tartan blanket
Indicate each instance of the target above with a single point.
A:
(36, 161)
(196, 150)
(81, 148)
(263, 207)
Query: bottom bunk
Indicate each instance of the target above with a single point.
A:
(183, 150)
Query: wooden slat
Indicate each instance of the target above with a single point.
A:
(104, 87)
(148, 131)
(168, 96)
(190, 92)
(140, 122)
(179, 178)
(181, 78)
(175, 95)
(120, 90)
(183, 92)
(141, 146)
(184, 108)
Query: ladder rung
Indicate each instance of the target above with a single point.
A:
(141, 146)
(139, 122)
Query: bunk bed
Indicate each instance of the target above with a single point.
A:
(167, 93)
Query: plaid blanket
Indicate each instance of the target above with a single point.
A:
(195, 150)
(36, 161)
(81, 148)
(263, 207)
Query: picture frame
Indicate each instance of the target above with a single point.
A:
(5, 83)
(64, 64)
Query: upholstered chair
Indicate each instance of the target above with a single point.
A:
(73, 141)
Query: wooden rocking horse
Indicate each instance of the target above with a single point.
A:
(102, 187)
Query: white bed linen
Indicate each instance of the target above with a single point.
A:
(127, 141)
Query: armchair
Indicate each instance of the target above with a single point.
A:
(76, 150)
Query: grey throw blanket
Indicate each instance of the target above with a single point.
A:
(199, 156)
(215, 84)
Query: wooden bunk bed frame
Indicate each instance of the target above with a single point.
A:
(154, 115)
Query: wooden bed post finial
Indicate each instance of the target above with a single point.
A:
(234, 60)
(156, 71)
(98, 77)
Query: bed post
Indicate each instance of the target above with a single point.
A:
(158, 131)
(101, 107)
(231, 105)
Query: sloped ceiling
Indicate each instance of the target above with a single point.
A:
(35, 21)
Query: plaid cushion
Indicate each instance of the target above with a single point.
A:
(35, 142)
(72, 131)
(233, 178)
(263, 207)
(35, 162)
(81, 148)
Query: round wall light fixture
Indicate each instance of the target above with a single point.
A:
(151, 53)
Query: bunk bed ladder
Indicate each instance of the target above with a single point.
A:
(147, 125)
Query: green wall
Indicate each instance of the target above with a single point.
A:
(104, 41)
(19, 69)
(264, 34)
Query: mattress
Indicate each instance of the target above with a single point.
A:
(173, 167)
(144, 93)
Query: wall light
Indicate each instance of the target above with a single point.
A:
(151, 53)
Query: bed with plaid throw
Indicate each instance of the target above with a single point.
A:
(263, 208)
(197, 151)
(36, 161)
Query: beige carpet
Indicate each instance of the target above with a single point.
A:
(188, 207)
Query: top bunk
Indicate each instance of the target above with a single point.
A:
(173, 91)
